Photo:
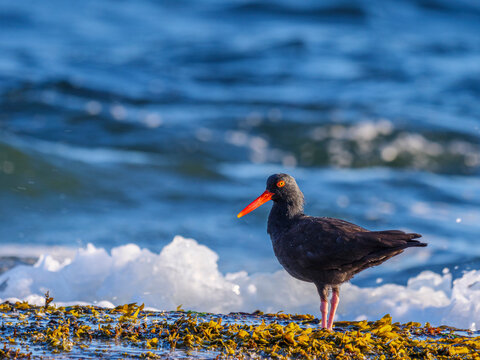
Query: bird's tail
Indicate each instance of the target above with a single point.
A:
(398, 239)
(413, 242)
(389, 243)
(409, 239)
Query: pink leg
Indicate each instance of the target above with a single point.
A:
(334, 303)
(324, 311)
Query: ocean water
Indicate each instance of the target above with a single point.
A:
(126, 125)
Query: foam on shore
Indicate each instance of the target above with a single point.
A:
(187, 273)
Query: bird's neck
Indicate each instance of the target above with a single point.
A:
(283, 215)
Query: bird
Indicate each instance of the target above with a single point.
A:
(322, 250)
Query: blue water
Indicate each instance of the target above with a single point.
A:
(134, 121)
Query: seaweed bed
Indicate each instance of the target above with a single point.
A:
(129, 331)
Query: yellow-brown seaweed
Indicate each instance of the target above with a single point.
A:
(130, 331)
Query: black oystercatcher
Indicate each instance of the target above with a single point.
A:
(322, 250)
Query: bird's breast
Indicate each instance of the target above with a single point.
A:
(286, 251)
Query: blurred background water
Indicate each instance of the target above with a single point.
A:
(134, 121)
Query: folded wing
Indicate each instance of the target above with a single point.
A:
(322, 244)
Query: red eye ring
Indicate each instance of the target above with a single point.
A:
(281, 183)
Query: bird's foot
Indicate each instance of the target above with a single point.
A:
(327, 328)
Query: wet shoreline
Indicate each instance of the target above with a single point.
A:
(130, 331)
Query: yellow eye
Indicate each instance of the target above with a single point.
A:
(281, 183)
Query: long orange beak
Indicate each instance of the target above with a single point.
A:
(262, 199)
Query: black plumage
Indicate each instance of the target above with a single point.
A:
(322, 250)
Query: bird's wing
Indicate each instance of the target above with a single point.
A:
(333, 244)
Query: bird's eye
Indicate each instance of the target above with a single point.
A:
(281, 183)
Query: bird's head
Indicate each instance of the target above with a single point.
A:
(280, 188)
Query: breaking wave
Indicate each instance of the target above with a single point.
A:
(186, 273)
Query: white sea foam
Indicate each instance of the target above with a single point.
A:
(186, 273)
